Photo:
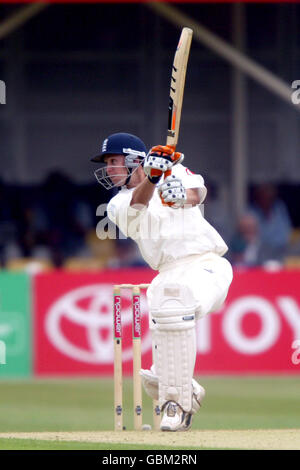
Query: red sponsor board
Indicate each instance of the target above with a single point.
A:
(256, 331)
(73, 322)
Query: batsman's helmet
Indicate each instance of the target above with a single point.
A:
(122, 143)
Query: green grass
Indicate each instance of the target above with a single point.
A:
(34, 444)
(250, 403)
(87, 404)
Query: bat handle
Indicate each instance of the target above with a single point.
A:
(166, 174)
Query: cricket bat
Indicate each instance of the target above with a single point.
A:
(177, 89)
(177, 85)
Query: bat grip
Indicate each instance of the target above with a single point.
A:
(166, 174)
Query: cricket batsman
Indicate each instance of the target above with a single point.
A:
(163, 217)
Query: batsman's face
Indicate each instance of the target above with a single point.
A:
(115, 169)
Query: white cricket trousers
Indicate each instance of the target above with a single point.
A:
(208, 276)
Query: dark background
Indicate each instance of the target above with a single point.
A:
(77, 73)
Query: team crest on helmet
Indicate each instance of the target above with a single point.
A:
(104, 145)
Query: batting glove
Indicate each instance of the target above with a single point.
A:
(160, 159)
(172, 190)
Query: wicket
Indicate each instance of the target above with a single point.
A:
(136, 346)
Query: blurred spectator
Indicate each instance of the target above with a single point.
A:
(294, 245)
(127, 255)
(65, 218)
(52, 221)
(274, 222)
(57, 220)
(245, 247)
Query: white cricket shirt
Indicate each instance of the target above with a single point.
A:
(162, 233)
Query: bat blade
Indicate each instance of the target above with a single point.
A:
(177, 85)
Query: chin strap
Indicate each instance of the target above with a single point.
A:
(129, 170)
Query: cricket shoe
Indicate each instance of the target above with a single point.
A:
(187, 422)
(150, 384)
(174, 418)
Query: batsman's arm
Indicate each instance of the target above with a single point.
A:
(143, 193)
(193, 196)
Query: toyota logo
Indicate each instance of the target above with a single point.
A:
(89, 308)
